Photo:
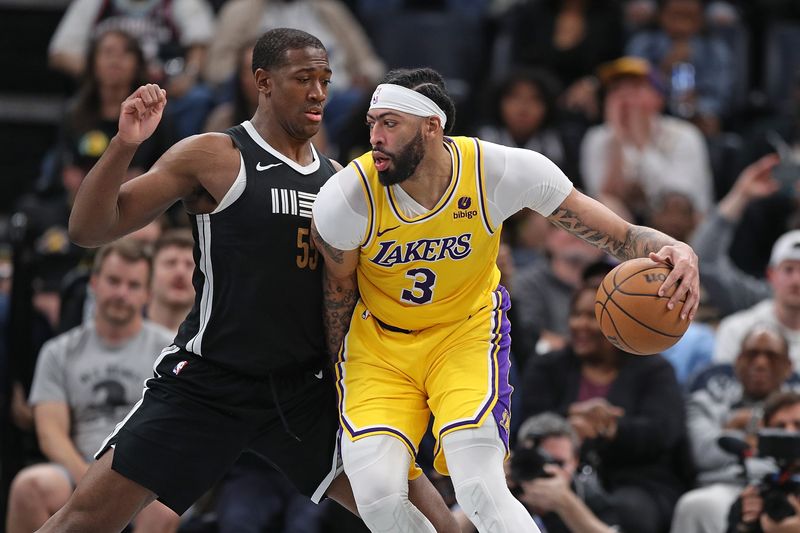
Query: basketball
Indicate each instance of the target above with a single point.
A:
(631, 314)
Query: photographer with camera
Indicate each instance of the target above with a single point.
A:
(773, 505)
(547, 478)
(728, 400)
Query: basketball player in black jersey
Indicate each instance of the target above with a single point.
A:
(248, 369)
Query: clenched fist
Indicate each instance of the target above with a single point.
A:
(141, 113)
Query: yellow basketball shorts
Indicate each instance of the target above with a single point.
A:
(390, 382)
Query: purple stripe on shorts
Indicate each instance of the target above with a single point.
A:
(502, 409)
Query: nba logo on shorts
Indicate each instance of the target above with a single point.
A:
(375, 96)
(179, 367)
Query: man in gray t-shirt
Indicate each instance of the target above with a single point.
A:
(86, 382)
(99, 382)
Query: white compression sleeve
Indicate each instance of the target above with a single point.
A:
(475, 460)
(377, 467)
(517, 178)
(340, 210)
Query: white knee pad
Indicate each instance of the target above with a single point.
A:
(475, 459)
(377, 467)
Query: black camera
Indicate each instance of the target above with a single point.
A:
(784, 448)
(528, 461)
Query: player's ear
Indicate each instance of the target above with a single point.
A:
(431, 125)
(263, 81)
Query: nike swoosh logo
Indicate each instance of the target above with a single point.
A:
(387, 230)
(318, 375)
(265, 167)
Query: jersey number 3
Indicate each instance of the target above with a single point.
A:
(421, 292)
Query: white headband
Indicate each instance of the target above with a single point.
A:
(390, 96)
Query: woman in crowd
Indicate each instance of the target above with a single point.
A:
(627, 409)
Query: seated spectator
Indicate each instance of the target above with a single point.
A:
(172, 292)
(679, 48)
(750, 513)
(355, 65)
(86, 381)
(639, 153)
(115, 68)
(673, 213)
(522, 114)
(77, 299)
(565, 496)
(781, 311)
(542, 292)
(729, 403)
(174, 35)
(570, 39)
(729, 288)
(629, 410)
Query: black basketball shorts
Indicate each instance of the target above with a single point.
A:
(195, 418)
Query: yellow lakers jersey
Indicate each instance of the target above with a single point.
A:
(434, 268)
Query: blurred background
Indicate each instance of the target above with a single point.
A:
(680, 114)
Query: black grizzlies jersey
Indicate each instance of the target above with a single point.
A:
(258, 277)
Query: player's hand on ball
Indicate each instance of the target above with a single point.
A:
(141, 113)
(685, 276)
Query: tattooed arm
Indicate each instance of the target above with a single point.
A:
(596, 224)
(339, 290)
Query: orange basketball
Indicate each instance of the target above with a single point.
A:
(632, 315)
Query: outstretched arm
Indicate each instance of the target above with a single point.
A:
(104, 208)
(339, 290)
(596, 224)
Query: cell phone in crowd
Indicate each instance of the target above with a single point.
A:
(787, 171)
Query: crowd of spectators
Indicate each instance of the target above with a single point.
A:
(680, 114)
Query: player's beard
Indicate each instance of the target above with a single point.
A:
(405, 163)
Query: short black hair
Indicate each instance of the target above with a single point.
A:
(545, 82)
(427, 82)
(778, 401)
(270, 50)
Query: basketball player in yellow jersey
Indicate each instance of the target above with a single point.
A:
(412, 228)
